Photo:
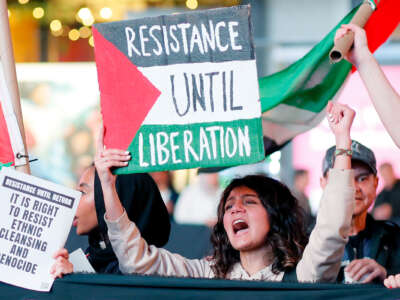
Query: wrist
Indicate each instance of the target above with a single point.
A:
(343, 142)
(107, 179)
(364, 58)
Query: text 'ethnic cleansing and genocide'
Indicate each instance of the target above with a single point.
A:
(31, 216)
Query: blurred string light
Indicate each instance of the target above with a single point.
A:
(192, 4)
(85, 32)
(38, 12)
(55, 25)
(73, 34)
(84, 13)
(91, 41)
(106, 13)
(58, 32)
(87, 19)
(88, 22)
(85, 16)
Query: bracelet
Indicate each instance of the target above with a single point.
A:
(343, 152)
(372, 3)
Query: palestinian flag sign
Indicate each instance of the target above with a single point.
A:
(11, 142)
(180, 91)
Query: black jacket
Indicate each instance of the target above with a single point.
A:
(142, 201)
(384, 244)
(384, 247)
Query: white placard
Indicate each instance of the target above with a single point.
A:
(35, 219)
(80, 262)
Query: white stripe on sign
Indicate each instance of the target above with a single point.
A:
(204, 92)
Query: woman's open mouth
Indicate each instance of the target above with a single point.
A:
(239, 226)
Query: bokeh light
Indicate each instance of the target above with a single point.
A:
(106, 13)
(38, 12)
(73, 34)
(55, 25)
(192, 4)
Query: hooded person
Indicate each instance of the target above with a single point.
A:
(142, 202)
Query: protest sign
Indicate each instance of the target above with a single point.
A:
(180, 91)
(35, 219)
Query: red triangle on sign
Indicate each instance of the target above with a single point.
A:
(126, 94)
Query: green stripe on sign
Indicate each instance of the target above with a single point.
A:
(172, 147)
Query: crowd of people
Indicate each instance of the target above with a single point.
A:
(259, 231)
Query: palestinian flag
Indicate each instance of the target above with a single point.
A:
(293, 100)
(180, 91)
(10, 137)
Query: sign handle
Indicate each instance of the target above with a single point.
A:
(343, 45)
(8, 63)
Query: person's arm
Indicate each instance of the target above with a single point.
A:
(136, 256)
(106, 159)
(322, 255)
(385, 99)
(133, 253)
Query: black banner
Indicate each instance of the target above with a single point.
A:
(99, 287)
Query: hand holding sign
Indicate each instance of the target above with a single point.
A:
(62, 265)
(34, 223)
(180, 91)
(108, 158)
(104, 161)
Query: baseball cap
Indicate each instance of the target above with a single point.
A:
(360, 153)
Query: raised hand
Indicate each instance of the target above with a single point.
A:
(106, 159)
(360, 48)
(340, 118)
(62, 265)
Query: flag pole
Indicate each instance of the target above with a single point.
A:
(343, 45)
(8, 64)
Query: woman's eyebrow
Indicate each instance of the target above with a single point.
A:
(231, 198)
(249, 195)
(365, 173)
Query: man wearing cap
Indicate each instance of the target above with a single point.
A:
(373, 249)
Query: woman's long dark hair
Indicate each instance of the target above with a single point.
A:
(287, 236)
